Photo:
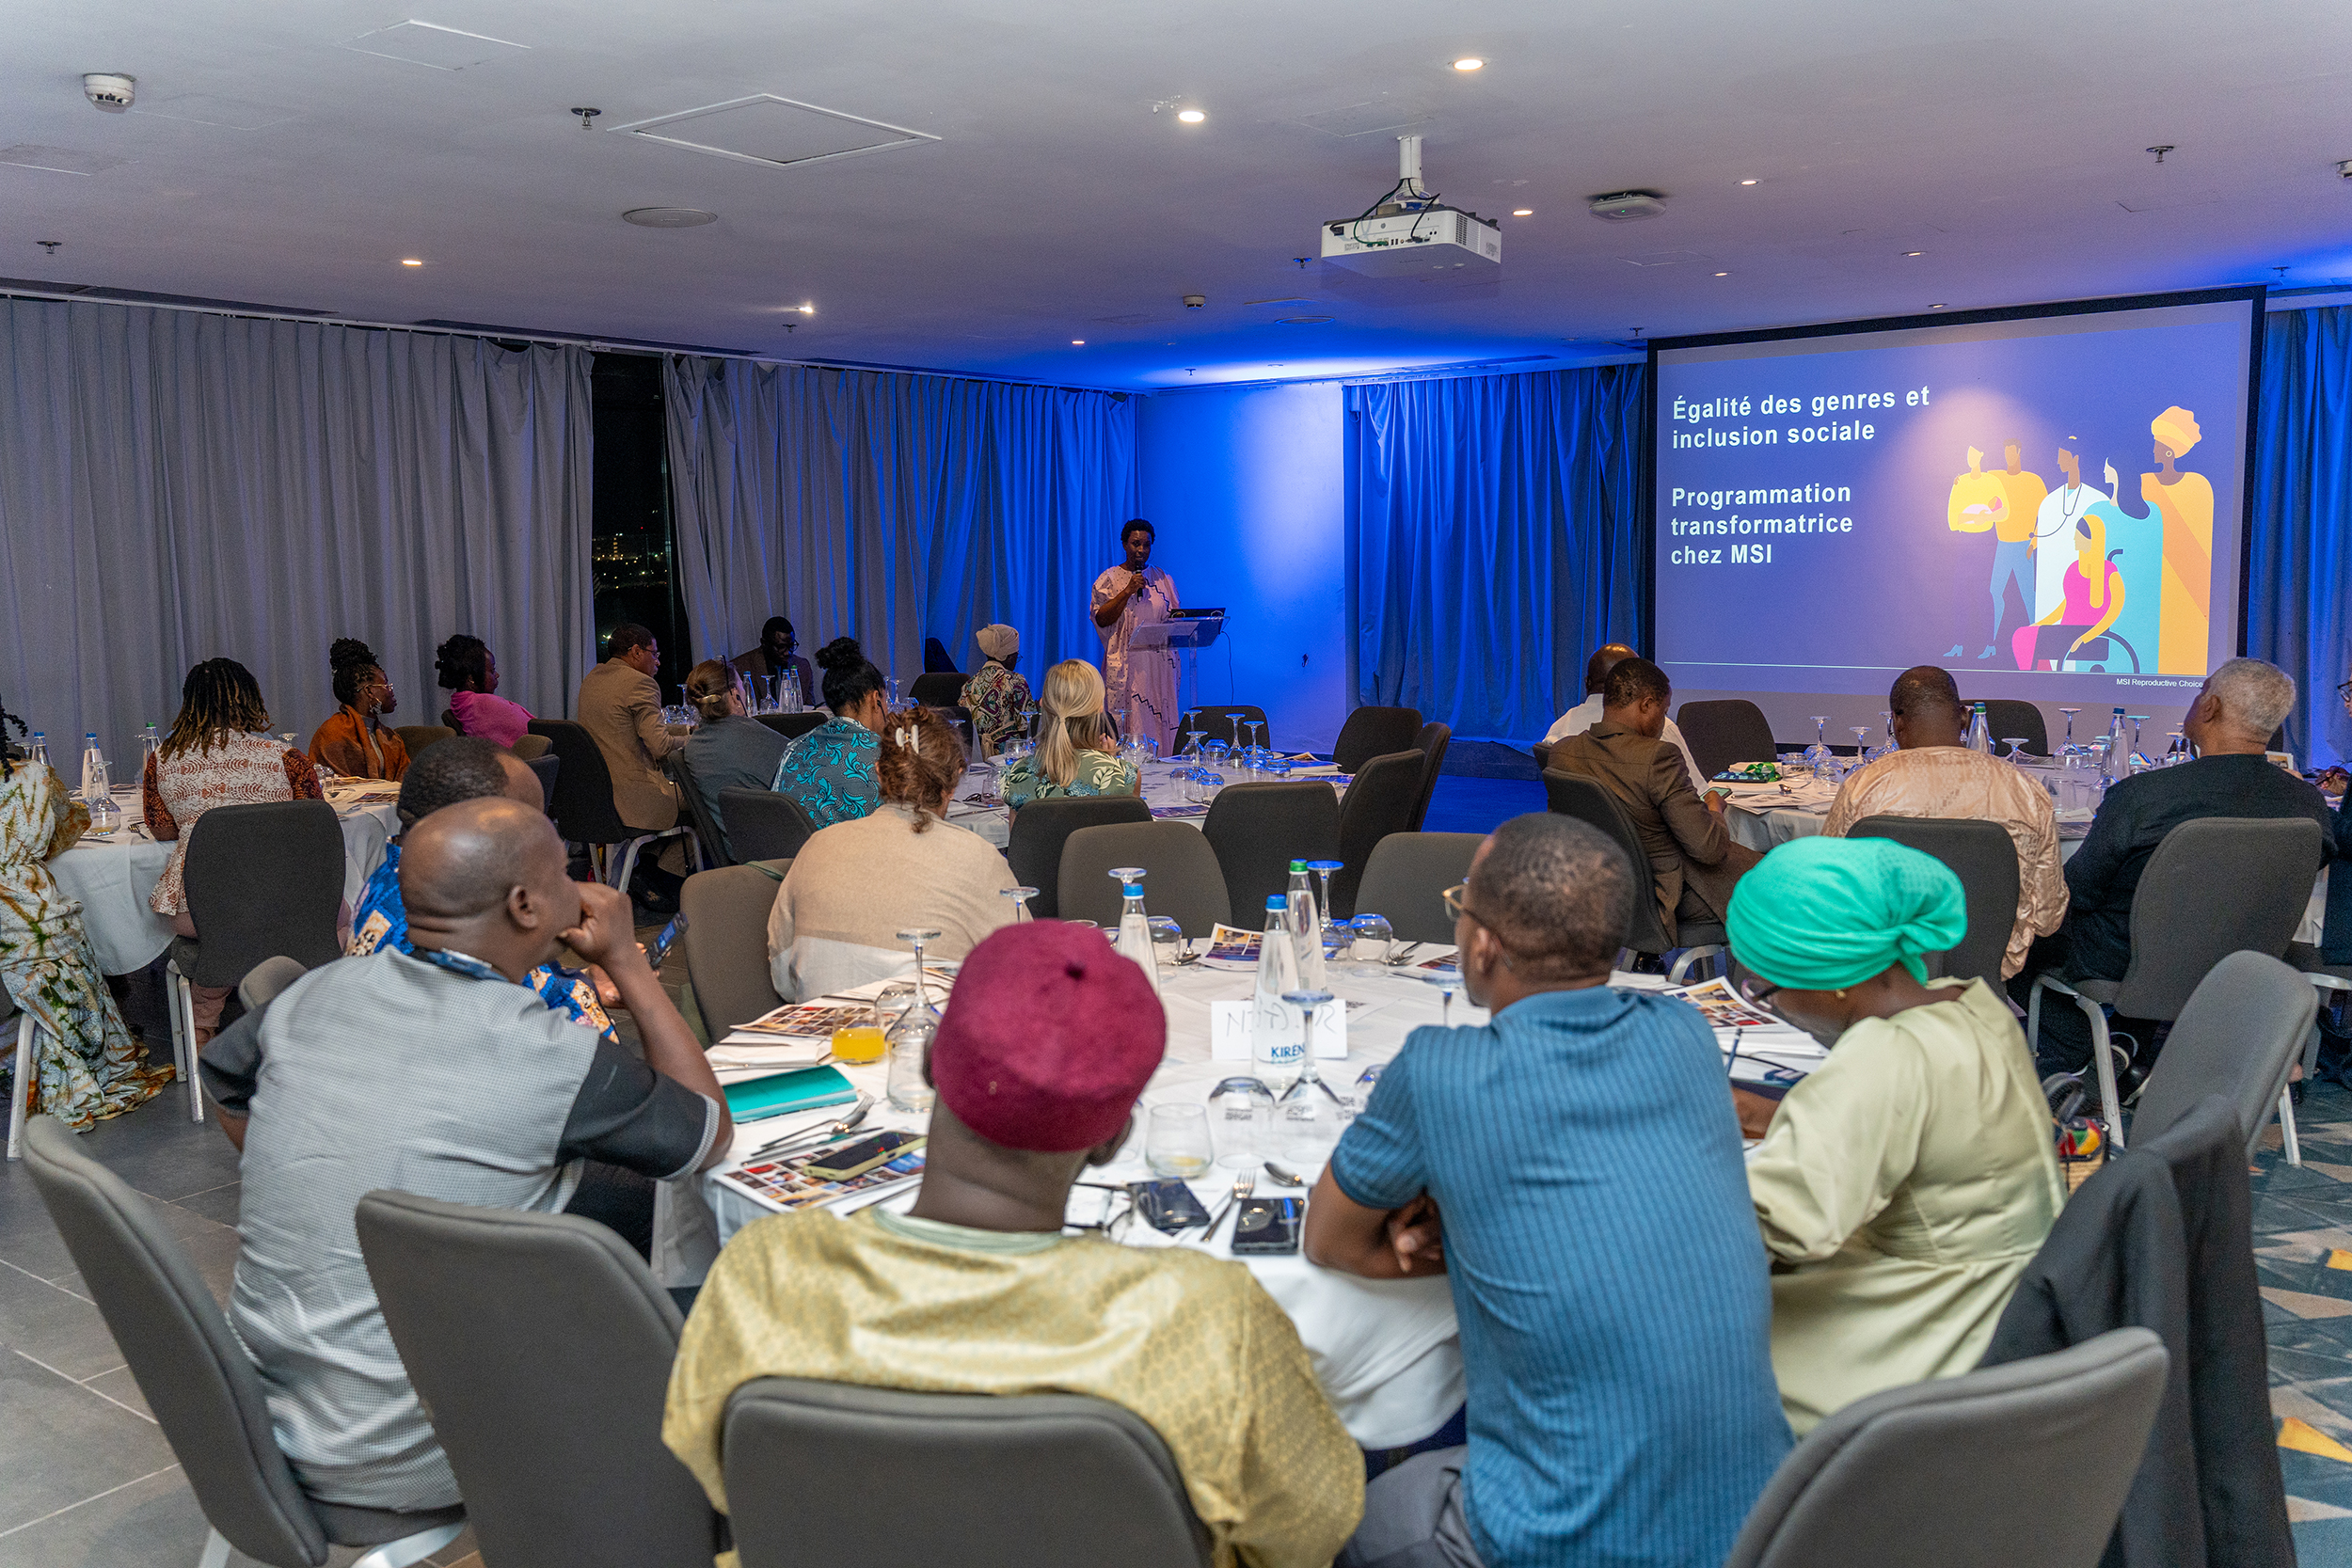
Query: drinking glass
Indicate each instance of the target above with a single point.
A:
(1167, 940)
(1448, 981)
(2071, 749)
(2135, 718)
(1375, 930)
(860, 1043)
(1241, 1110)
(1887, 728)
(1196, 737)
(1861, 744)
(1323, 870)
(1309, 1115)
(909, 1039)
(2177, 750)
(890, 684)
(1257, 736)
(1020, 896)
(1176, 1141)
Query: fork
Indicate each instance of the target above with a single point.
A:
(1244, 1184)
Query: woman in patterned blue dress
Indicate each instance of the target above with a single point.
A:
(830, 770)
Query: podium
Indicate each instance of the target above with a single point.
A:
(1188, 634)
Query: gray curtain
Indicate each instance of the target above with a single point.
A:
(177, 485)
(891, 508)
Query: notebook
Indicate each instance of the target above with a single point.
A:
(782, 1093)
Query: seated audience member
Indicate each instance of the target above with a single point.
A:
(1587, 713)
(476, 1092)
(1693, 861)
(1935, 774)
(1077, 751)
(2229, 723)
(87, 1065)
(1904, 1185)
(355, 741)
(469, 769)
(1615, 1316)
(830, 770)
(219, 753)
(727, 750)
(620, 706)
(2335, 939)
(854, 886)
(466, 671)
(995, 696)
(1046, 1044)
(778, 652)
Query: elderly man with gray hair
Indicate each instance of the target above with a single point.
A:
(2229, 723)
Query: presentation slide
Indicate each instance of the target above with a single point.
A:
(2050, 506)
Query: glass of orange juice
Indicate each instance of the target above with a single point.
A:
(858, 1044)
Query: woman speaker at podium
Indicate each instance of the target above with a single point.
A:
(1131, 595)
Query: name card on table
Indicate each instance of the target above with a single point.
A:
(1230, 1025)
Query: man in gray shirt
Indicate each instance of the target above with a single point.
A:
(440, 1073)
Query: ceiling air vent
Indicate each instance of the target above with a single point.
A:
(777, 132)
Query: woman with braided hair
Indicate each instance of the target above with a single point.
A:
(355, 742)
(87, 1065)
(219, 753)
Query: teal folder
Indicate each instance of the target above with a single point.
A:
(782, 1093)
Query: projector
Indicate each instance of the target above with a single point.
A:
(1410, 232)
(1623, 206)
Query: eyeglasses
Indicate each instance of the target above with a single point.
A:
(2343, 694)
(1452, 900)
(1756, 991)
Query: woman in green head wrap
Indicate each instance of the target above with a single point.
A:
(1904, 1184)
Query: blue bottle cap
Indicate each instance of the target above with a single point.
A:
(1133, 889)
(1275, 903)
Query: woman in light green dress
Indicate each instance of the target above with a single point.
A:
(1077, 750)
(1905, 1184)
(86, 1064)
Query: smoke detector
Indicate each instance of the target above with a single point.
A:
(109, 91)
(1625, 206)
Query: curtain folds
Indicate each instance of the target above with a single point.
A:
(1494, 524)
(176, 486)
(2299, 561)
(891, 507)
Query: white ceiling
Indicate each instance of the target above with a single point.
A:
(2003, 140)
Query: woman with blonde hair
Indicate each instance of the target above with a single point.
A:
(1076, 752)
(856, 885)
(727, 750)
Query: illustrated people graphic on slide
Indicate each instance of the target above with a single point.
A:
(1978, 504)
(2007, 503)
(2054, 525)
(2184, 502)
(2094, 598)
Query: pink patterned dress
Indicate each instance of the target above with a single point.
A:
(232, 770)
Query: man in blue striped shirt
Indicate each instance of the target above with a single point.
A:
(1574, 1166)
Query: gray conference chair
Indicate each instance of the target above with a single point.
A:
(1041, 828)
(1374, 732)
(418, 737)
(1184, 883)
(585, 809)
(1574, 795)
(1380, 801)
(762, 825)
(706, 827)
(2237, 1037)
(2214, 886)
(1984, 858)
(547, 767)
(198, 1380)
(20, 1087)
(542, 1345)
(1432, 741)
(1723, 732)
(1257, 830)
(938, 689)
(2008, 718)
(1230, 724)
(262, 880)
(530, 748)
(1405, 880)
(2051, 1446)
(1542, 753)
(726, 942)
(794, 725)
(981, 1481)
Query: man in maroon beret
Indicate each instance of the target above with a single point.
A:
(1048, 1040)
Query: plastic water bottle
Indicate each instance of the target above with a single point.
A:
(1979, 733)
(792, 690)
(93, 768)
(1274, 1044)
(1306, 927)
(1134, 933)
(39, 753)
(149, 743)
(2116, 762)
(104, 816)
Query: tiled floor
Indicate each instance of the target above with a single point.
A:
(88, 1482)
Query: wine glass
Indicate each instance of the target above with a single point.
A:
(2135, 718)
(1448, 981)
(1195, 736)
(2177, 750)
(1257, 736)
(2071, 749)
(1887, 727)
(1818, 751)
(1176, 1141)
(1242, 1110)
(1861, 743)
(1323, 870)
(1308, 1116)
(1020, 896)
(2016, 744)
(890, 684)
(909, 1039)
(1374, 929)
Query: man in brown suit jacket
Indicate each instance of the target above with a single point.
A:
(620, 706)
(1693, 861)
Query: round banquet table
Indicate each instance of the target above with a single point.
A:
(1385, 1350)
(111, 876)
(976, 806)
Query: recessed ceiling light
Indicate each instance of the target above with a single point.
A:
(410, 262)
(808, 309)
(1078, 342)
(1522, 212)
(1915, 253)
(668, 217)
(1468, 62)
(1939, 306)
(1722, 274)
(1191, 117)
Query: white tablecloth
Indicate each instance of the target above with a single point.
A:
(1386, 1351)
(112, 878)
